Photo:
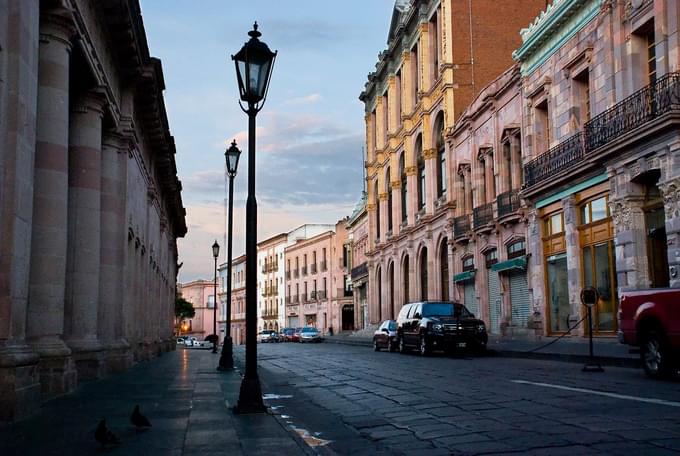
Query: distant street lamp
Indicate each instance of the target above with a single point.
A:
(216, 253)
(231, 157)
(254, 64)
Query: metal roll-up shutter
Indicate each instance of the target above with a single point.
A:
(519, 298)
(470, 299)
(494, 301)
(293, 322)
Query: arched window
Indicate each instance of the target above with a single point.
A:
(388, 182)
(406, 284)
(441, 154)
(444, 269)
(378, 276)
(404, 189)
(390, 282)
(423, 274)
(377, 213)
(421, 172)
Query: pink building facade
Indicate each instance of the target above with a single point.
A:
(200, 293)
(270, 282)
(90, 202)
(357, 228)
(342, 301)
(238, 300)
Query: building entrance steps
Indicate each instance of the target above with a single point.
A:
(608, 351)
(188, 402)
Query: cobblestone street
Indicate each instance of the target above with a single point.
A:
(441, 405)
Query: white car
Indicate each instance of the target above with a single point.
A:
(268, 335)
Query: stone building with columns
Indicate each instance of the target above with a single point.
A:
(90, 203)
(438, 57)
(601, 93)
(489, 227)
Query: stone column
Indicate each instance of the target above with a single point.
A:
(574, 279)
(84, 234)
(536, 275)
(632, 268)
(382, 198)
(412, 194)
(430, 156)
(671, 198)
(515, 163)
(113, 245)
(19, 36)
(45, 318)
(396, 206)
(478, 184)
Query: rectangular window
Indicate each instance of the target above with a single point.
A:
(558, 293)
(651, 55)
(541, 128)
(397, 98)
(434, 47)
(581, 95)
(415, 75)
(386, 117)
(554, 224)
(468, 263)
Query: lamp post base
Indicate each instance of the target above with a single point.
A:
(226, 357)
(214, 350)
(250, 397)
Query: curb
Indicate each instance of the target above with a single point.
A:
(614, 361)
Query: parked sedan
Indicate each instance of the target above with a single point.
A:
(296, 335)
(386, 336)
(267, 335)
(309, 334)
(287, 334)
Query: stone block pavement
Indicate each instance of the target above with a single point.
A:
(187, 400)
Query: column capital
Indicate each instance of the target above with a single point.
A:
(370, 207)
(395, 184)
(429, 153)
(463, 169)
(90, 100)
(411, 170)
(383, 196)
(58, 24)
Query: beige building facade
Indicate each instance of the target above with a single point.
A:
(270, 282)
(89, 198)
(201, 294)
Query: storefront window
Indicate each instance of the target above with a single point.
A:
(516, 249)
(594, 210)
(554, 224)
(558, 293)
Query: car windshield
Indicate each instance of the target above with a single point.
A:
(305, 330)
(445, 309)
(392, 326)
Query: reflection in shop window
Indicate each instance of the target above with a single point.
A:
(558, 292)
(594, 210)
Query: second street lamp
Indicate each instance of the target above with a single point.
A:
(254, 63)
(231, 157)
(216, 253)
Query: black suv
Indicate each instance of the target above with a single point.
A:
(443, 325)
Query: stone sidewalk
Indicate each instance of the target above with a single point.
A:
(607, 350)
(188, 402)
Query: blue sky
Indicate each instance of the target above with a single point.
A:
(310, 132)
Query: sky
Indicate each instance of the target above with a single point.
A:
(310, 132)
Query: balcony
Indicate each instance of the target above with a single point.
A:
(482, 215)
(264, 269)
(321, 294)
(461, 226)
(561, 157)
(287, 275)
(295, 299)
(640, 109)
(343, 293)
(312, 268)
(323, 266)
(304, 270)
(508, 203)
(313, 296)
(296, 273)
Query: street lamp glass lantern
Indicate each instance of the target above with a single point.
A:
(232, 155)
(254, 64)
(216, 249)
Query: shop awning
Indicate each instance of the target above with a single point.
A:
(463, 276)
(519, 263)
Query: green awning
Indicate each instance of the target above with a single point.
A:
(516, 263)
(463, 276)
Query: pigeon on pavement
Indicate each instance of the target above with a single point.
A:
(104, 435)
(139, 420)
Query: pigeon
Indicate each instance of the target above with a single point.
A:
(139, 420)
(104, 435)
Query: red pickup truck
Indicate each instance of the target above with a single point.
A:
(650, 319)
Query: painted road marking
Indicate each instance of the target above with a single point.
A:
(648, 400)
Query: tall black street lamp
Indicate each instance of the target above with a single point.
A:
(231, 156)
(254, 64)
(216, 253)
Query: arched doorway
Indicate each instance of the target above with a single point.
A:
(390, 284)
(405, 277)
(444, 270)
(423, 274)
(348, 317)
(378, 280)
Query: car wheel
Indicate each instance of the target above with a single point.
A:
(655, 355)
(424, 348)
(376, 347)
(402, 346)
(391, 345)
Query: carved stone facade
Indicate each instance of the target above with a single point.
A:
(89, 198)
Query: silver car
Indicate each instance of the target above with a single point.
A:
(310, 334)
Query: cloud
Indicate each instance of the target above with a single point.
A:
(308, 99)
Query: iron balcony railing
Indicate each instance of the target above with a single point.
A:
(560, 157)
(312, 268)
(482, 215)
(461, 225)
(508, 203)
(304, 270)
(321, 294)
(645, 105)
(296, 273)
(648, 103)
(313, 295)
(287, 275)
(323, 266)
